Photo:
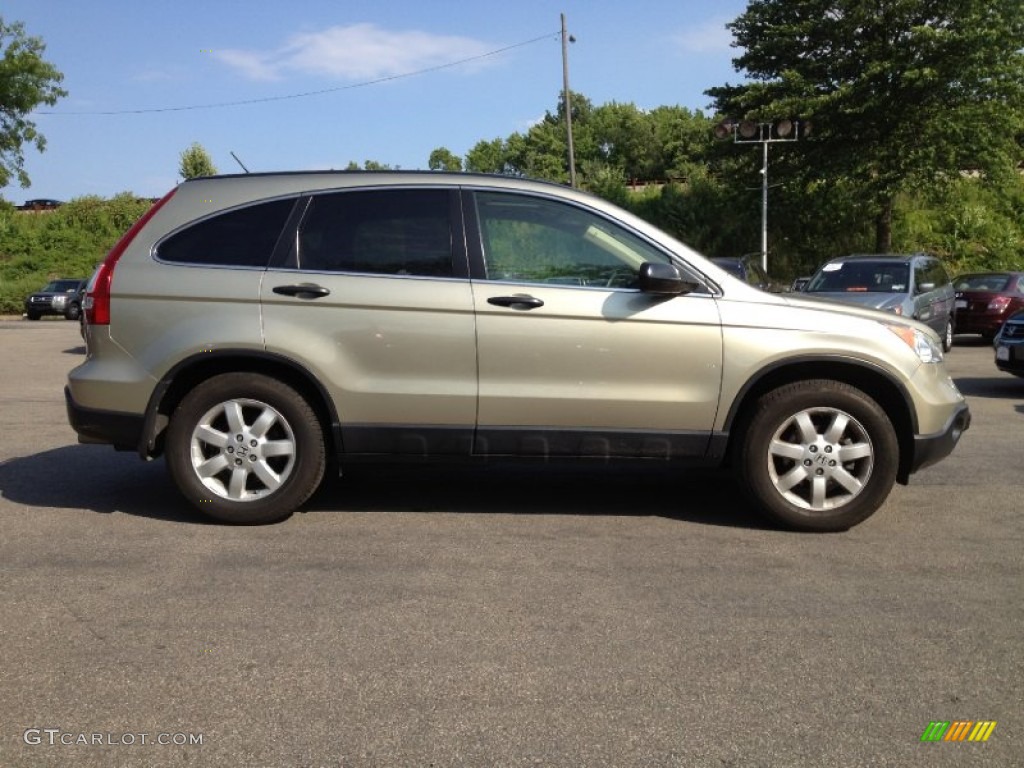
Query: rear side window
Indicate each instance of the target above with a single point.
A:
(384, 232)
(244, 237)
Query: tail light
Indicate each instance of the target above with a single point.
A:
(97, 296)
(999, 304)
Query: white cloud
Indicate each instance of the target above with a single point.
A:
(255, 66)
(354, 52)
(710, 36)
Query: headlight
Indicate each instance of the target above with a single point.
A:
(59, 301)
(922, 344)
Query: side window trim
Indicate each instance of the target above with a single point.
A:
(286, 241)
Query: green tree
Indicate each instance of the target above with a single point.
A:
(487, 157)
(443, 159)
(196, 161)
(902, 94)
(26, 81)
(370, 165)
(623, 135)
(543, 151)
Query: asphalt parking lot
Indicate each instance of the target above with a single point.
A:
(500, 617)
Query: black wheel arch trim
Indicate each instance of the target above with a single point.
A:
(202, 365)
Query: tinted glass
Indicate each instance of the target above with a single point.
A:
(388, 231)
(533, 240)
(861, 276)
(244, 237)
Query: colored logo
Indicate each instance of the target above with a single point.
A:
(959, 730)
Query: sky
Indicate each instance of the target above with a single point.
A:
(327, 82)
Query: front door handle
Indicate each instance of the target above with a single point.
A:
(521, 301)
(302, 291)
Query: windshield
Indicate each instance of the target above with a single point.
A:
(61, 286)
(861, 277)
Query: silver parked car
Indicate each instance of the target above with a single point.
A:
(256, 330)
(914, 285)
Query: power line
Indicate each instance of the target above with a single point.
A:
(265, 99)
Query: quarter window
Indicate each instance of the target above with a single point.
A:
(533, 240)
(387, 232)
(244, 237)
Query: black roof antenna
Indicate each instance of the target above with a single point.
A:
(239, 162)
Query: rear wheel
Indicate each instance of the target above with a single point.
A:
(245, 448)
(818, 455)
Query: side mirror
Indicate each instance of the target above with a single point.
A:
(925, 287)
(663, 279)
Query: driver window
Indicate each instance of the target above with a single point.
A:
(534, 240)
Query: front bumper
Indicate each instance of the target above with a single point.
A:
(929, 449)
(1014, 354)
(42, 308)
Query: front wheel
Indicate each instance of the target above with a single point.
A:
(245, 448)
(73, 312)
(947, 337)
(818, 455)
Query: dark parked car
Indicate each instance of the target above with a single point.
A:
(984, 301)
(913, 285)
(57, 297)
(745, 268)
(1009, 345)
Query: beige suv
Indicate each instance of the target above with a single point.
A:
(257, 329)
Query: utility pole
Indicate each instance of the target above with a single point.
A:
(566, 39)
(764, 208)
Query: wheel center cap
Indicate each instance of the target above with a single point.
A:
(820, 457)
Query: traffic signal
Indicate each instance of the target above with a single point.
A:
(745, 131)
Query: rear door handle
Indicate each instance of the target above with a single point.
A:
(516, 302)
(302, 291)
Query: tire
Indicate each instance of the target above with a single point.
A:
(73, 312)
(784, 462)
(245, 448)
(947, 337)
(32, 315)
